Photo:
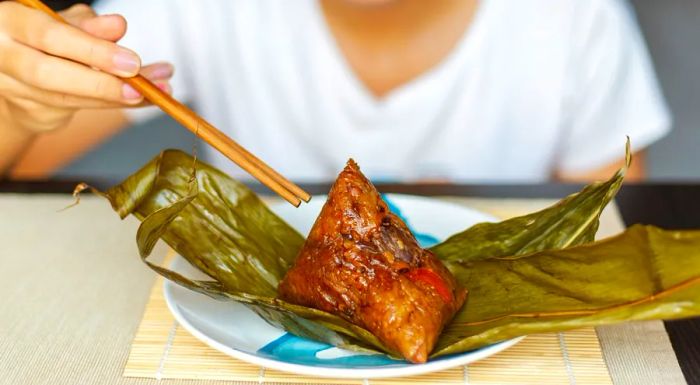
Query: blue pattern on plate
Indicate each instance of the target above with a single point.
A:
(290, 348)
(293, 349)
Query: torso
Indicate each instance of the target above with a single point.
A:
(306, 111)
(278, 79)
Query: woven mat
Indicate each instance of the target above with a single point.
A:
(162, 349)
(74, 293)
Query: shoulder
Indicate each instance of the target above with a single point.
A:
(577, 14)
(573, 28)
(593, 16)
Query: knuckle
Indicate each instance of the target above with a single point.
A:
(93, 53)
(45, 38)
(38, 72)
(78, 13)
(105, 88)
(62, 99)
(100, 86)
(82, 9)
(67, 100)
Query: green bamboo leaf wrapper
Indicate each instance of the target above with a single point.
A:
(644, 273)
(523, 274)
(224, 230)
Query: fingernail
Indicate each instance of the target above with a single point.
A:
(129, 93)
(126, 62)
(161, 71)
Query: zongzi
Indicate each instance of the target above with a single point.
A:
(361, 262)
(360, 266)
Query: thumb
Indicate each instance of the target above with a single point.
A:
(107, 27)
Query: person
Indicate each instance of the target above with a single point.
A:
(413, 90)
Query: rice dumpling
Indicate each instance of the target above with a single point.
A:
(361, 262)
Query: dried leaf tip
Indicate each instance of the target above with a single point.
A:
(628, 158)
(79, 188)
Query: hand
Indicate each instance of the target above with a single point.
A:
(49, 70)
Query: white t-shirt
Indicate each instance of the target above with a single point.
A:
(533, 87)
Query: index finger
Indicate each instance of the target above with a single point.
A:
(38, 30)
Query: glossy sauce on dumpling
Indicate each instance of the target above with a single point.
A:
(362, 263)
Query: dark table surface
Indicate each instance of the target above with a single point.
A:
(671, 206)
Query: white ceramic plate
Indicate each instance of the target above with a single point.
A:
(235, 330)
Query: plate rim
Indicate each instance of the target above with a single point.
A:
(334, 372)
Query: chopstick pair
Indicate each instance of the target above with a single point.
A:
(200, 127)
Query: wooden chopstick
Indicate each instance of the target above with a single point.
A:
(200, 127)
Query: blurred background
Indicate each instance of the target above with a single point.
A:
(670, 27)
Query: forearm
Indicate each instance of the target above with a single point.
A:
(51, 151)
(14, 140)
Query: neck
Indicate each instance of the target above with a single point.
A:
(394, 16)
(390, 42)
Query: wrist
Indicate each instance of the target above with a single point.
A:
(15, 139)
(30, 118)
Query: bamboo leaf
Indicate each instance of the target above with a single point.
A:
(216, 223)
(537, 273)
(224, 230)
(644, 273)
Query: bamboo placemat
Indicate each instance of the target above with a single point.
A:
(162, 349)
